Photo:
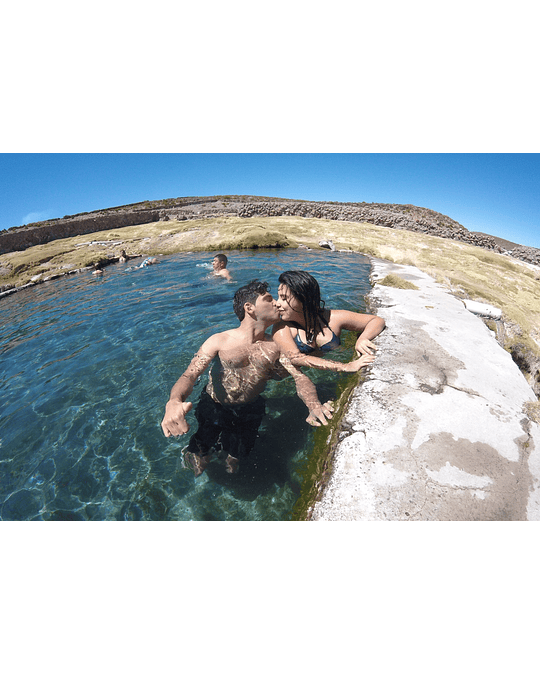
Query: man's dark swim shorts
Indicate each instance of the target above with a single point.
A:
(233, 429)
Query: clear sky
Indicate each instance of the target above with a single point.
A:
(494, 193)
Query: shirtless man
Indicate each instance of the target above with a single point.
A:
(231, 409)
(219, 263)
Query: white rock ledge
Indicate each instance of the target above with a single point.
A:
(438, 429)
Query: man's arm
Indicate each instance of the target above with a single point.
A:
(307, 392)
(288, 348)
(174, 422)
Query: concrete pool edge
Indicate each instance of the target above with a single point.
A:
(439, 429)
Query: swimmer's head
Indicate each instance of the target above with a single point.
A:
(220, 261)
(248, 293)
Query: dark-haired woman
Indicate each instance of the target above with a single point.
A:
(307, 327)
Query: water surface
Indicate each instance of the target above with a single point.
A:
(87, 364)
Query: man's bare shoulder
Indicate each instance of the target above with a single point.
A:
(219, 341)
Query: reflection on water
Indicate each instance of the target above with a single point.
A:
(87, 366)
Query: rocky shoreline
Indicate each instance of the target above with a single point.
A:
(396, 216)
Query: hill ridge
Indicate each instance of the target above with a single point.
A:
(397, 216)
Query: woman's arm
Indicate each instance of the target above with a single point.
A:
(281, 335)
(368, 325)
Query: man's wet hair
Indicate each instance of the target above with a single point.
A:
(248, 293)
(306, 289)
(222, 258)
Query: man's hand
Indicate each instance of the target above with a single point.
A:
(354, 366)
(320, 414)
(174, 423)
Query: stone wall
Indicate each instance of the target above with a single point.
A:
(23, 238)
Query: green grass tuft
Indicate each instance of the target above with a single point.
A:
(397, 282)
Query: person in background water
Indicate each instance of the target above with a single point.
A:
(219, 263)
(308, 330)
(149, 261)
(230, 408)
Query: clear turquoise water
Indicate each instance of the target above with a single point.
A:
(86, 368)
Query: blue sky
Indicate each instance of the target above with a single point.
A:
(494, 193)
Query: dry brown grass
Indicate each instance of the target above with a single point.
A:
(397, 282)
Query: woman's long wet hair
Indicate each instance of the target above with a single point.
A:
(305, 288)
